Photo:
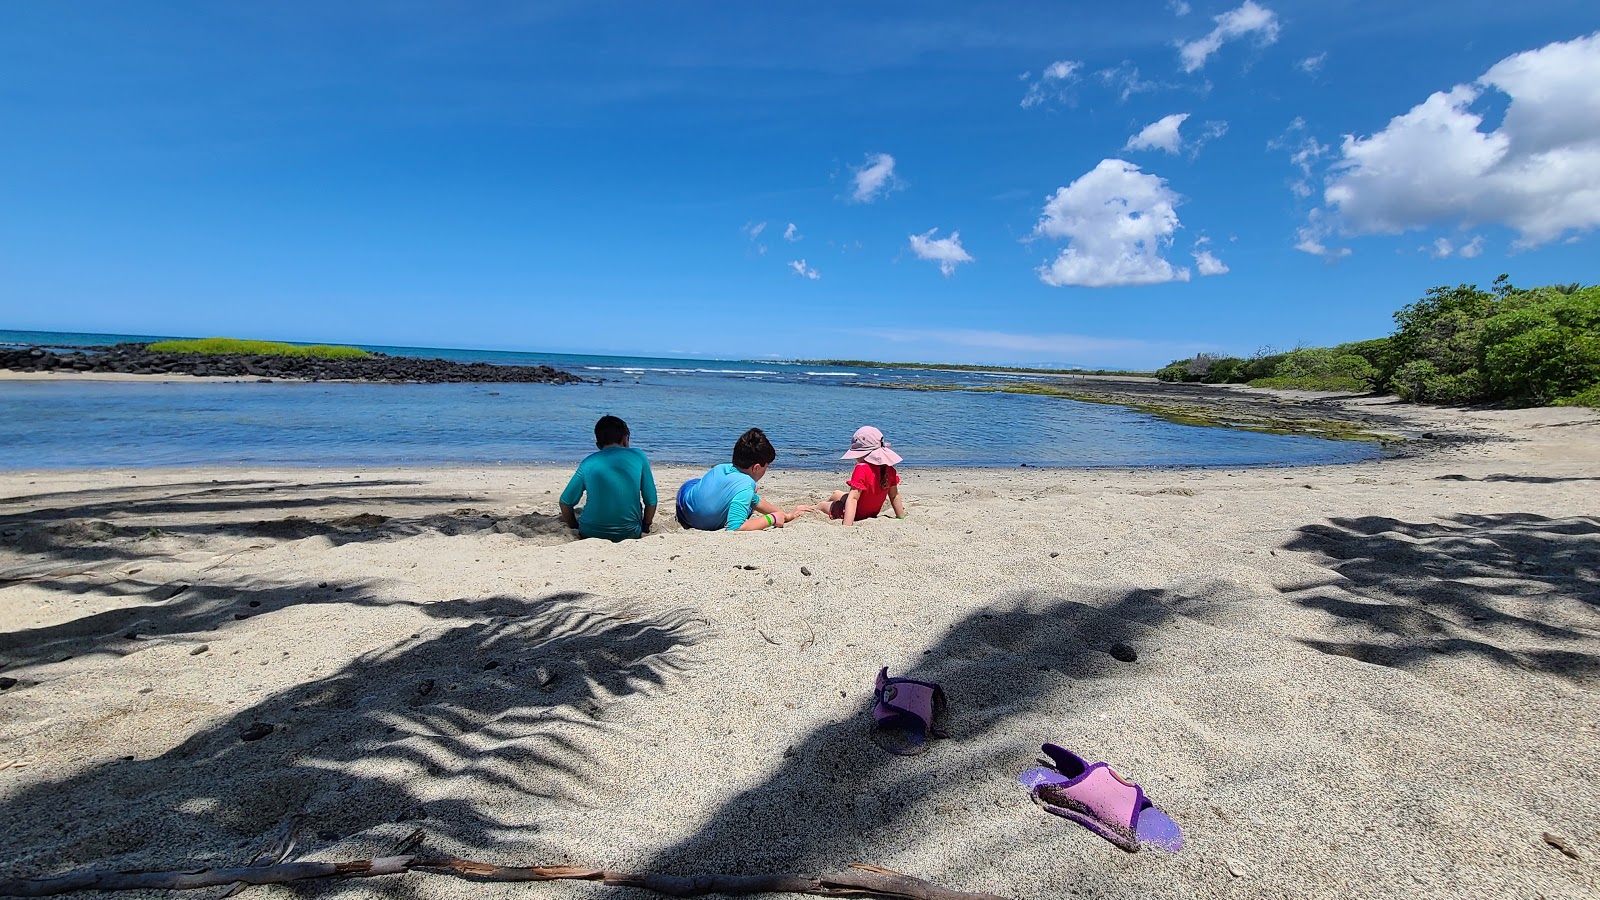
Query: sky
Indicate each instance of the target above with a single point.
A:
(1058, 183)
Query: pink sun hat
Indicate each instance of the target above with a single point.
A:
(869, 446)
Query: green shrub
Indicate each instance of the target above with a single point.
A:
(1320, 369)
(1544, 346)
(1419, 381)
(1227, 370)
(1589, 397)
(1177, 370)
(233, 346)
(1443, 330)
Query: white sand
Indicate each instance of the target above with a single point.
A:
(1373, 680)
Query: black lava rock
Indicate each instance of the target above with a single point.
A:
(379, 367)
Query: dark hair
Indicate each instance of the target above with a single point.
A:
(752, 448)
(610, 430)
(883, 476)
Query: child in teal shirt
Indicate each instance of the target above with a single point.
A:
(619, 483)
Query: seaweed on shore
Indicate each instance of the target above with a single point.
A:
(1217, 416)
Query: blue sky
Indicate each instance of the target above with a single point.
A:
(1096, 184)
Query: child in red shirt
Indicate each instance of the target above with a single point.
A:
(873, 481)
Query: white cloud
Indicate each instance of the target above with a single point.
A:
(752, 230)
(1178, 7)
(874, 178)
(1442, 248)
(1305, 151)
(1054, 84)
(1117, 221)
(804, 271)
(1159, 135)
(791, 234)
(1125, 80)
(1311, 65)
(1312, 238)
(947, 252)
(1538, 173)
(1248, 19)
(1206, 262)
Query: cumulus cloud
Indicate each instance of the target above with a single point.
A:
(1538, 173)
(1117, 221)
(1164, 135)
(1311, 65)
(1248, 19)
(804, 271)
(874, 178)
(1443, 248)
(1161, 134)
(1312, 238)
(947, 252)
(1178, 7)
(1054, 84)
(791, 234)
(1206, 262)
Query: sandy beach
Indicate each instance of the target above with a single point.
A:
(1371, 680)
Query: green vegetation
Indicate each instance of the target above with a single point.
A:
(232, 346)
(964, 367)
(1522, 347)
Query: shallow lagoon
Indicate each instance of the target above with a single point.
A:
(677, 416)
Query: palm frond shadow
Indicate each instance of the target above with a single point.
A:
(501, 699)
(1511, 588)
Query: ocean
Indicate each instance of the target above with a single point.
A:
(685, 411)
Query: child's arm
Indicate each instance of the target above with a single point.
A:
(894, 500)
(761, 521)
(850, 506)
(569, 499)
(779, 518)
(649, 517)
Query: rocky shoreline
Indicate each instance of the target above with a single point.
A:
(135, 359)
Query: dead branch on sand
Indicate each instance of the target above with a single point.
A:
(857, 881)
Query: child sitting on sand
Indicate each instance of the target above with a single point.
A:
(725, 498)
(620, 485)
(873, 481)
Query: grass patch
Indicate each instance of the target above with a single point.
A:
(1342, 383)
(1178, 414)
(233, 346)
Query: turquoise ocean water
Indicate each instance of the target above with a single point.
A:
(680, 411)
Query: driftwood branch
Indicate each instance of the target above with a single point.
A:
(276, 851)
(858, 881)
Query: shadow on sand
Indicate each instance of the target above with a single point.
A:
(1510, 588)
(499, 699)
